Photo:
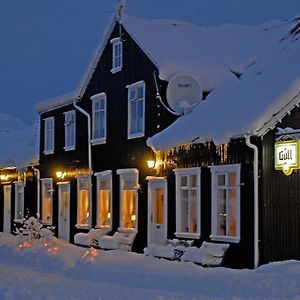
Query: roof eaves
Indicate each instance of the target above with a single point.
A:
(277, 117)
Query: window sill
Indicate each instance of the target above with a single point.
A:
(98, 141)
(82, 226)
(19, 221)
(48, 152)
(103, 227)
(188, 235)
(135, 135)
(69, 148)
(115, 70)
(221, 238)
(47, 223)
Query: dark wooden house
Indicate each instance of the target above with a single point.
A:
(102, 163)
(234, 165)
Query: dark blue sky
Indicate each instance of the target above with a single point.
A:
(47, 45)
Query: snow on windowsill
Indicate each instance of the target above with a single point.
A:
(221, 238)
(188, 235)
(82, 226)
(98, 141)
(115, 70)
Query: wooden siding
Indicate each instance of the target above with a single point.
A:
(280, 203)
(240, 255)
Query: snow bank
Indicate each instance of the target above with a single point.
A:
(34, 273)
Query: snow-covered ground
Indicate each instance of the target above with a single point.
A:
(64, 271)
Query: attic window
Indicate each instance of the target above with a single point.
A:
(117, 55)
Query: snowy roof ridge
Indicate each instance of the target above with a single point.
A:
(265, 93)
(159, 40)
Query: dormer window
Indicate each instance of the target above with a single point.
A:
(117, 55)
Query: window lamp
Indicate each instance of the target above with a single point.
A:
(47, 200)
(83, 201)
(128, 197)
(104, 199)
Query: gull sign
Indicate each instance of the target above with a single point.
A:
(287, 156)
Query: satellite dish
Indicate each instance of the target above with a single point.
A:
(184, 92)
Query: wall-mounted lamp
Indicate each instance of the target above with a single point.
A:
(4, 177)
(133, 218)
(60, 174)
(108, 215)
(151, 164)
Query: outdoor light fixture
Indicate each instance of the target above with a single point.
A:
(151, 164)
(3, 177)
(60, 174)
(133, 218)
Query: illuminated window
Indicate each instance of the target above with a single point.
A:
(99, 118)
(225, 188)
(83, 201)
(70, 130)
(136, 110)
(104, 199)
(128, 197)
(49, 135)
(47, 200)
(188, 202)
(19, 200)
(117, 55)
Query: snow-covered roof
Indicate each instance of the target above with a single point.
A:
(18, 143)
(211, 54)
(252, 104)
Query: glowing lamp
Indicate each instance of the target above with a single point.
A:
(133, 218)
(151, 164)
(108, 215)
(60, 174)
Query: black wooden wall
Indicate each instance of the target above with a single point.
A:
(280, 203)
(239, 255)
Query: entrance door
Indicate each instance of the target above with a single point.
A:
(7, 209)
(64, 211)
(157, 210)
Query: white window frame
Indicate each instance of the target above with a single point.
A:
(88, 178)
(70, 128)
(19, 192)
(179, 173)
(135, 86)
(49, 135)
(117, 43)
(99, 97)
(44, 183)
(100, 177)
(129, 174)
(225, 170)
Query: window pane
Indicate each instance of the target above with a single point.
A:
(193, 181)
(232, 179)
(232, 230)
(159, 206)
(133, 117)
(102, 125)
(128, 214)
(183, 180)
(83, 207)
(104, 213)
(221, 212)
(140, 116)
(140, 93)
(193, 212)
(47, 202)
(221, 179)
(184, 211)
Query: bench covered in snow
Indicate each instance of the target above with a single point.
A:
(90, 238)
(209, 254)
(121, 239)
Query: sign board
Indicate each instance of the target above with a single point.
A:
(287, 156)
